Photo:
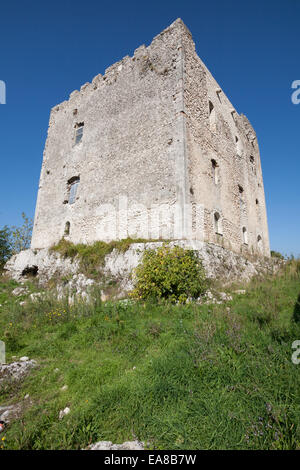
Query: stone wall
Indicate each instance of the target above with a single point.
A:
(144, 163)
(224, 162)
(131, 141)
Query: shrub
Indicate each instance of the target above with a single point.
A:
(276, 254)
(21, 236)
(5, 246)
(169, 273)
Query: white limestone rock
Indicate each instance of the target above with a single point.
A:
(10, 412)
(108, 445)
(218, 262)
(16, 371)
(64, 413)
(42, 263)
(18, 291)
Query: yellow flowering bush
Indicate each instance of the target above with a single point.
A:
(55, 315)
(171, 273)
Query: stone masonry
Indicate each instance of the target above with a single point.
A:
(152, 149)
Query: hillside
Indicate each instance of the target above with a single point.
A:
(216, 376)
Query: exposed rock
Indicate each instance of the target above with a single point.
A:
(108, 445)
(24, 359)
(210, 298)
(104, 297)
(239, 291)
(20, 291)
(37, 296)
(218, 262)
(225, 297)
(77, 287)
(64, 412)
(42, 263)
(209, 295)
(15, 371)
(10, 412)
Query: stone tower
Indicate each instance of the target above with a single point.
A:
(152, 149)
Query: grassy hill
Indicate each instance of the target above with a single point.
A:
(174, 376)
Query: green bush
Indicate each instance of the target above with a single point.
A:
(276, 254)
(169, 273)
(5, 246)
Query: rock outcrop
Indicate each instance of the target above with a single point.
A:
(218, 263)
(108, 445)
(44, 264)
(15, 371)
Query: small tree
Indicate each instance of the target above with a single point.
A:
(169, 273)
(5, 246)
(21, 236)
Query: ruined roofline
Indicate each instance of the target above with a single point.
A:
(112, 71)
(173, 25)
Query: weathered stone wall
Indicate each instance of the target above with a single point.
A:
(132, 140)
(213, 137)
(148, 142)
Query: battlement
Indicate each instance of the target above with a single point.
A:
(113, 71)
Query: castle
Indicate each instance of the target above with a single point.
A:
(152, 149)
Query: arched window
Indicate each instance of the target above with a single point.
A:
(212, 116)
(245, 236)
(67, 228)
(259, 243)
(217, 223)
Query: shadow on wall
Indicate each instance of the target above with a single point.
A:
(297, 310)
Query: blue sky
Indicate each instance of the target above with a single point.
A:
(49, 49)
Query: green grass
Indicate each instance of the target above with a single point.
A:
(177, 377)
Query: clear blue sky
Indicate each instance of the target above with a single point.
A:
(49, 49)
